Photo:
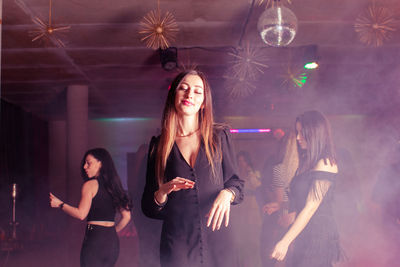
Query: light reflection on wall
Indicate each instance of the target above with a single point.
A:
(121, 136)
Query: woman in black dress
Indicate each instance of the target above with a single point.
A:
(191, 179)
(102, 196)
(314, 231)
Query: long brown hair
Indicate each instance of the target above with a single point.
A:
(169, 125)
(316, 131)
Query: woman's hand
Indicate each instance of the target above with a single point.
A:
(125, 218)
(55, 202)
(175, 184)
(280, 250)
(220, 210)
(271, 207)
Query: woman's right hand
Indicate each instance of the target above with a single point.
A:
(175, 184)
(55, 202)
(280, 250)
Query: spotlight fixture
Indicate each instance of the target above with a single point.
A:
(169, 58)
(311, 57)
(311, 65)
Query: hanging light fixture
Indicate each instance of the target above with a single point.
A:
(47, 31)
(277, 25)
(158, 30)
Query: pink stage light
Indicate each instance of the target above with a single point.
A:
(250, 130)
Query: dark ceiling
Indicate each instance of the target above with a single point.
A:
(103, 50)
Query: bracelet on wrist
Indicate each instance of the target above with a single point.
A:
(61, 206)
(233, 193)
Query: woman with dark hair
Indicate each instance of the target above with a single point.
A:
(102, 195)
(314, 231)
(191, 178)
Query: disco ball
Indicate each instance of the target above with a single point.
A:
(277, 26)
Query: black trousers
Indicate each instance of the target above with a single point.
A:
(100, 247)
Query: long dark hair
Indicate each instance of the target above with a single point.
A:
(316, 131)
(109, 176)
(169, 125)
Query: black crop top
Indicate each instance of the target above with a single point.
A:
(102, 208)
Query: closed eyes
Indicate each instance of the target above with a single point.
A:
(197, 90)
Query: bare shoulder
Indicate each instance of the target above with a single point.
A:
(90, 186)
(91, 182)
(125, 212)
(326, 166)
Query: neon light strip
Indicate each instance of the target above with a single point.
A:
(122, 119)
(250, 130)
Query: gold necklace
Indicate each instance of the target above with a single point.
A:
(189, 134)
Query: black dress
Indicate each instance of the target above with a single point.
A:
(185, 238)
(318, 244)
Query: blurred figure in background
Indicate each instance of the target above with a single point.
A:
(386, 193)
(349, 201)
(276, 219)
(248, 215)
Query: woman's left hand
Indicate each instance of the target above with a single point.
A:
(220, 209)
(55, 202)
(280, 251)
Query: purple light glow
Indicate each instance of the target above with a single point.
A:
(250, 130)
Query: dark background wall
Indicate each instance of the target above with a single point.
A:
(23, 160)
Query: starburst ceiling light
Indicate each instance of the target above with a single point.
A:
(277, 25)
(294, 78)
(158, 30)
(48, 31)
(238, 87)
(375, 25)
(247, 62)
